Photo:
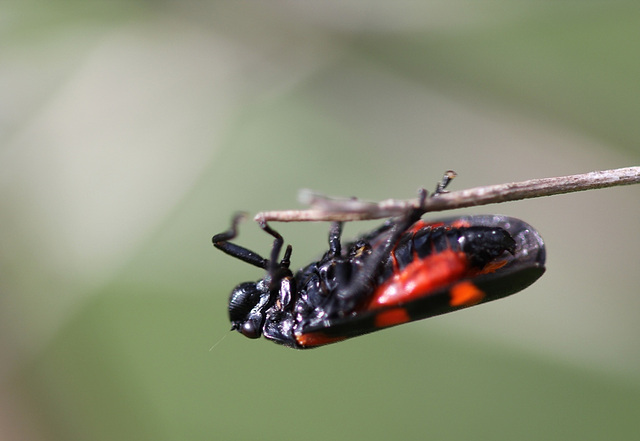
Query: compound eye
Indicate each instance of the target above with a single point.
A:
(250, 329)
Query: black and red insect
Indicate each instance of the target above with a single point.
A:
(405, 270)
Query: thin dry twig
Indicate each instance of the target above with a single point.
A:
(334, 209)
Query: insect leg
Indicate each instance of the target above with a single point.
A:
(221, 241)
(276, 272)
(335, 232)
(277, 245)
(449, 175)
(286, 259)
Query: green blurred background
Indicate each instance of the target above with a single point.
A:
(130, 131)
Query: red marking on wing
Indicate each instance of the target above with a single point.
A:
(420, 278)
(316, 339)
(465, 294)
(392, 317)
(422, 224)
(492, 267)
(459, 223)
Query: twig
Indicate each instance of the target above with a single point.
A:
(331, 209)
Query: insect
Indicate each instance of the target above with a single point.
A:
(405, 270)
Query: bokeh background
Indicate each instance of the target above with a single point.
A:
(130, 131)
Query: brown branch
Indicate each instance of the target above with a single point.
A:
(331, 209)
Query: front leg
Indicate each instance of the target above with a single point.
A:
(221, 242)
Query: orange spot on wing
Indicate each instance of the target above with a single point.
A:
(420, 278)
(459, 223)
(316, 339)
(492, 267)
(420, 225)
(392, 317)
(465, 294)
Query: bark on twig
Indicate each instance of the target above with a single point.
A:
(331, 209)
